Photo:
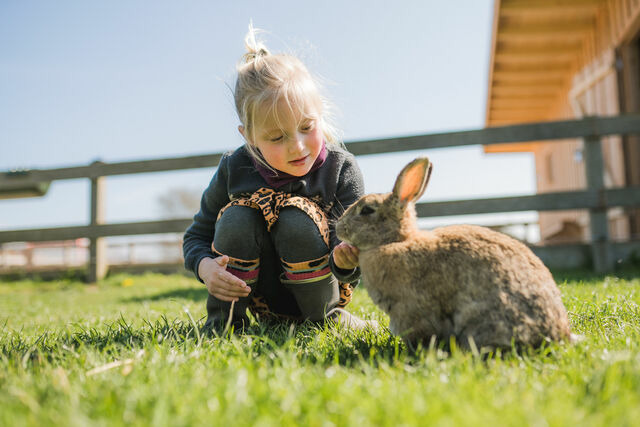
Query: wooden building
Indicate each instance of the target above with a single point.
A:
(564, 59)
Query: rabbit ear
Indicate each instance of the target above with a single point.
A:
(412, 180)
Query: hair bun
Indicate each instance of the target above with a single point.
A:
(253, 55)
(255, 48)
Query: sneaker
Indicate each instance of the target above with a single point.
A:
(348, 320)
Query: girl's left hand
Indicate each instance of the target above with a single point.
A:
(345, 256)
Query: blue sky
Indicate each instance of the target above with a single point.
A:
(126, 80)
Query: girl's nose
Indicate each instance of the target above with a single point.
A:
(297, 143)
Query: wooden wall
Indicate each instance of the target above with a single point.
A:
(595, 89)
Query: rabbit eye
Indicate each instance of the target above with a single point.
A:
(367, 210)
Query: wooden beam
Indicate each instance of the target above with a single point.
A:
(559, 27)
(492, 56)
(624, 124)
(540, 96)
(549, 7)
(98, 169)
(617, 125)
(508, 104)
(523, 111)
(560, 67)
(525, 147)
(598, 223)
(564, 256)
(567, 33)
(97, 245)
(524, 77)
(557, 48)
(531, 84)
(95, 231)
(527, 56)
(547, 92)
(520, 116)
(540, 46)
(587, 199)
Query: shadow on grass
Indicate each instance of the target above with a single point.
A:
(318, 345)
(191, 294)
(325, 345)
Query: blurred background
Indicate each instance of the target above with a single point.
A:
(120, 81)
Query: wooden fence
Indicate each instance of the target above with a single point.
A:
(596, 198)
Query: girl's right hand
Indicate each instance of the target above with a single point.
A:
(220, 283)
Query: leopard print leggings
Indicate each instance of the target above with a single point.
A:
(269, 202)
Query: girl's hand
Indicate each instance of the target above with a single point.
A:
(220, 283)
(345, 256)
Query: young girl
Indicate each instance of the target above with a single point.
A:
(264, 235)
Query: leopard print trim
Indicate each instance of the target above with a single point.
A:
(314, 270)
(260, 309)
(270, 202)
(346, 293)
(305, 266)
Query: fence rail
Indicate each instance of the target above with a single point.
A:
(590, 199)
(595, 198)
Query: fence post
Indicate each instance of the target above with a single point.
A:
(97, 245)
(598, 223)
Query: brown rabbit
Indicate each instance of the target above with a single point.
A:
(463, 281)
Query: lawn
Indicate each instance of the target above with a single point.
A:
(129, 351)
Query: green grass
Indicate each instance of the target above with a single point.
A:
(54, 335)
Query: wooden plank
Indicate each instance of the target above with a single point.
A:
(553, 62)
(552, 45)
(104, 230)
(586, 199)
(492, 57)
(621, 251)
(97, 169)
(506, 103)
(598, 224)
(542, 34)
(557, 48)
(530, 84)
(519, 116)
(525, 147)
(534, 96)
(564, 257)
(559, 27)
(572, 256)
(552, 55)
(526, 111)
(549, 92)
(549, 201)
(524, 78)
(554, 7)
(631, 27)
(559, 67)
(97, 245)
(538, 202)
(625, 124)
(17, 189)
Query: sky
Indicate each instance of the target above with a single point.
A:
(131, 80)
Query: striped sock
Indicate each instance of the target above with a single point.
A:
(307, 271)
(247, 270)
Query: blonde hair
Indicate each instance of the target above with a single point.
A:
(264, 79)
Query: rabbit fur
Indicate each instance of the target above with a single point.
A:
(482, 287)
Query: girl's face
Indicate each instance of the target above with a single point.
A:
(293, 144)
